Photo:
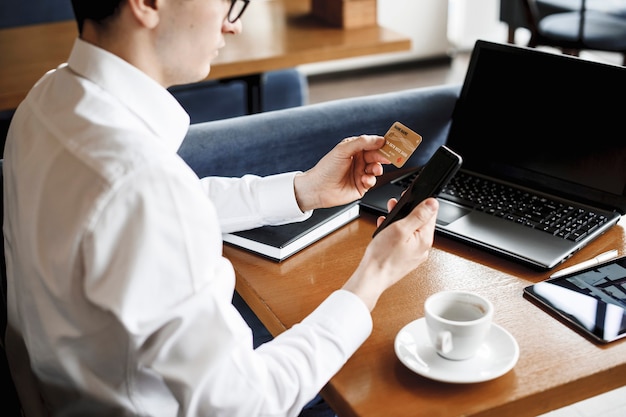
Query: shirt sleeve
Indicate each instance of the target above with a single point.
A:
(323, 342)
(156, 266)
(253, 201)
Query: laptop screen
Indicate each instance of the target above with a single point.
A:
(553, 121)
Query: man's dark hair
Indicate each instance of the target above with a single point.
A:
(96, 10)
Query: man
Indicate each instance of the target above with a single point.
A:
(117, 284)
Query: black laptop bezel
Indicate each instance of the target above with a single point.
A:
(461, 138)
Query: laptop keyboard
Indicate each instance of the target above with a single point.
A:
(558, 219)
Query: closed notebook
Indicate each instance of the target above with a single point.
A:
(280, 242)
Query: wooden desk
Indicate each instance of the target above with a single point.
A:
(557, 366)
(277, 34)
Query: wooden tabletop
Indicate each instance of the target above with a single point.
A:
(557, 366)
(277, 34)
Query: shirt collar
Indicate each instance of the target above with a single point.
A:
(141, 94)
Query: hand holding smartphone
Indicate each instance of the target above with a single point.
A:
(434, 176)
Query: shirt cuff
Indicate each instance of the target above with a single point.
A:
(350, 318)
(280, 188)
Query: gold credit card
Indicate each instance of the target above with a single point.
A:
(400, 142)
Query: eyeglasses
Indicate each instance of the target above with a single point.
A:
(237, 7)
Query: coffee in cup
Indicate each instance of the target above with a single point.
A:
(458, 322)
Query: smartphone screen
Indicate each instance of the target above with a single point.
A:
(434, 176)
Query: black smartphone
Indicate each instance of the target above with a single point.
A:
(433, 177)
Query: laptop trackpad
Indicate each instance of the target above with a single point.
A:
(449, 213)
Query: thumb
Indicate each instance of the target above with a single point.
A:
(363, 143)
(424, 215)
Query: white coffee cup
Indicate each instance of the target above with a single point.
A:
(458, 322)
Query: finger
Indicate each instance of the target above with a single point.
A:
(423, 216)
(391, 204)
(379, 220)
(367, 182)
(375, 157)
(375, 169)
(363, 143)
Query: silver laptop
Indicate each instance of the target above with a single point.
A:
(541, 128)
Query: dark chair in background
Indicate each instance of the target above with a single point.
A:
(512, 12)
(582, 28)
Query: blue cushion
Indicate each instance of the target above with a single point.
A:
(296, 138)
(282, 89)
(212, 100)
(29, 12)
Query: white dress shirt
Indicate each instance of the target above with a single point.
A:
(117, 283)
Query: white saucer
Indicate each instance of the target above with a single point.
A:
(494, 358)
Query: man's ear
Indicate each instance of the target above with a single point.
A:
(145, 11)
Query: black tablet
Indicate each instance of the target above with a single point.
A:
(592, 300)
